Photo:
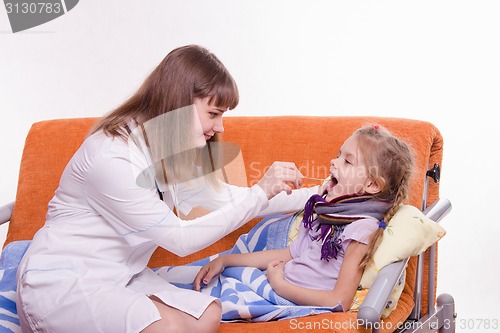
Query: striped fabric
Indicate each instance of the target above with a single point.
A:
(245, 292)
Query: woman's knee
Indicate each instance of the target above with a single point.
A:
(210, 320)
(174, 321)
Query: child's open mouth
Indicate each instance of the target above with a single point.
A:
(333, 182)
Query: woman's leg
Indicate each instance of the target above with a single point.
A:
(173, 320)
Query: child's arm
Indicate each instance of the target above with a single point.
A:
(258, 259)
(347, 283)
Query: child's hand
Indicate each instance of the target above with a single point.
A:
(276, 273)
(208, 272)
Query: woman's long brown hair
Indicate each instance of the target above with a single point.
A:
(186, 73)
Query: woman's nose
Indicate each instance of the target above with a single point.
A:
(218, 127)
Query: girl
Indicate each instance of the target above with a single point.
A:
(341, 226)
(86, 269)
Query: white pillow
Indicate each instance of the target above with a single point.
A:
(407, 234)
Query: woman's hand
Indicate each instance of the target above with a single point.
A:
(276, 274)
(208, 272)
(278, 178)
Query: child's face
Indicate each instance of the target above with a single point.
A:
(348, 171)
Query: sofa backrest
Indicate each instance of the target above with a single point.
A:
(308, 141)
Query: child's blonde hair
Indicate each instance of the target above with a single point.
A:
(390, 163)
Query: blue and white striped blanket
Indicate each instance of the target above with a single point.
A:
(244, 292)
(9, 261)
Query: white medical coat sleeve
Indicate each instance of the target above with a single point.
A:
(199, 194)
(139, 216)
(284, 203)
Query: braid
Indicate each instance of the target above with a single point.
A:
(374, 243)
(377, 237)
(400, 197)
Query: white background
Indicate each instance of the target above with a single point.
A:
(432, 60)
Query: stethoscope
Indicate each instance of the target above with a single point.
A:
(141, 141)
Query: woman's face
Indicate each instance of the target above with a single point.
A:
(208, 122)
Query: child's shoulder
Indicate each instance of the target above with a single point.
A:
(360, 230)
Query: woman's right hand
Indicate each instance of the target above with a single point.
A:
(208, 272)
(278, 178)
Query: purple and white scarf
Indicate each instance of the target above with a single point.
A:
(334, 215)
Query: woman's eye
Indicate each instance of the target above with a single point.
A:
(347, 161)
(213, 115)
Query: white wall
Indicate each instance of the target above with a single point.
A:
(430, 60)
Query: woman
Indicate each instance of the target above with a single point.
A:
(86, 269)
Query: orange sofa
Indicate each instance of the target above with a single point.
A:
(308, 141)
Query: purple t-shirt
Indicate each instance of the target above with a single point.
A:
(306, 268)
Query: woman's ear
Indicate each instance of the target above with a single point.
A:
(372, 186)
